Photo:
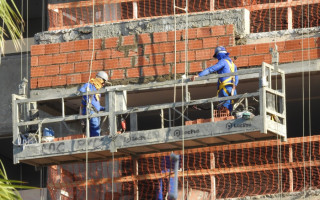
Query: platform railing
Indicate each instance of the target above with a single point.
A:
(274, 113)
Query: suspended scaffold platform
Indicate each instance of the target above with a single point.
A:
(259, 114)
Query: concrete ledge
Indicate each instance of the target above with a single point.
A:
(240, 18)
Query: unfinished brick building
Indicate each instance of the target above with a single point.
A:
(150, 49)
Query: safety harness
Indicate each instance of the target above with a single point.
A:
(97, 84)
(229, 81)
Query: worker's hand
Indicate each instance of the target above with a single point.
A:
(194, 77)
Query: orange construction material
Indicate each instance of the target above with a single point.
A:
(262, 13)
(238, 170)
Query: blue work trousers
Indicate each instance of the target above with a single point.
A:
(229, 103)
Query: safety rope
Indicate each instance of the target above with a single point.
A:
(87, 94)
(309, 93)
(303, 108)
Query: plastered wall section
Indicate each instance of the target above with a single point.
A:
(153, 55)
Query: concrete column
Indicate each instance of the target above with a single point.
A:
(135, 185)
(290, 170)
(211, 5)
(289, 15)
(213, 178)
(135, 10)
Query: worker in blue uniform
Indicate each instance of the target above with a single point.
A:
(92, 102)
(226, 85)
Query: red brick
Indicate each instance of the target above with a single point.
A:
(117, 74)
(37, 71)
(306, 54)
(45, 60)
(171, 35)
(229, 29)
(103, 54)
(67, 68)
(286, 57)
(160, 37)
(34, 61)
(73, 79)
(181, 46)
(281, 46)
(309, 43)
(242, 61)
(191, 56)
(226, 41)
(97, 65)
(293, 45)
(204, 54)
(81, 45)
(195, 67)
(169, 57)
(111, 63)
(74, 57)
(151, 48)
(218, 30)
(111, 42)
(116, 53)
(262, 48)
(38, 49)
(247, 49)
(195, 44)
(97, 44)
(66, 47)
(52, 48)
(85, 77)
(128, 40)
(125, 62)
(59, 80)
(59, 58)
(211, 62)
(33, 83)
(52, 70)
(203, 32)
(141, 61)
(267, 58)
(180, 67)
(44, 82)
(133, 72)
(192, 33)
(255, 60)
(144, 38)
(156, 70)
(156, 59)
(211, 42)
(234, 51)
(314, 54)
(87, 55)
(140, 50)
(166, 47)
(132, 53)
(81, 67)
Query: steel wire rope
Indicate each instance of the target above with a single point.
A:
(309, 93)
(303, 106)
(87, 95)
(279, 157)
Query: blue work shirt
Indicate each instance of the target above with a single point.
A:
(221, 67)
(94, 101)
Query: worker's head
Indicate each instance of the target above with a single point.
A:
(219, 49)
(103, 76)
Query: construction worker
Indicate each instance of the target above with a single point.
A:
(92, 104)
(226, 85)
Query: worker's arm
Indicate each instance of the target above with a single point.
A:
(236, 77)
(213, 68)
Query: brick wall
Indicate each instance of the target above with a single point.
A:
(152, 54)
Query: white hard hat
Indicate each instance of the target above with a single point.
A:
(103, 75)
